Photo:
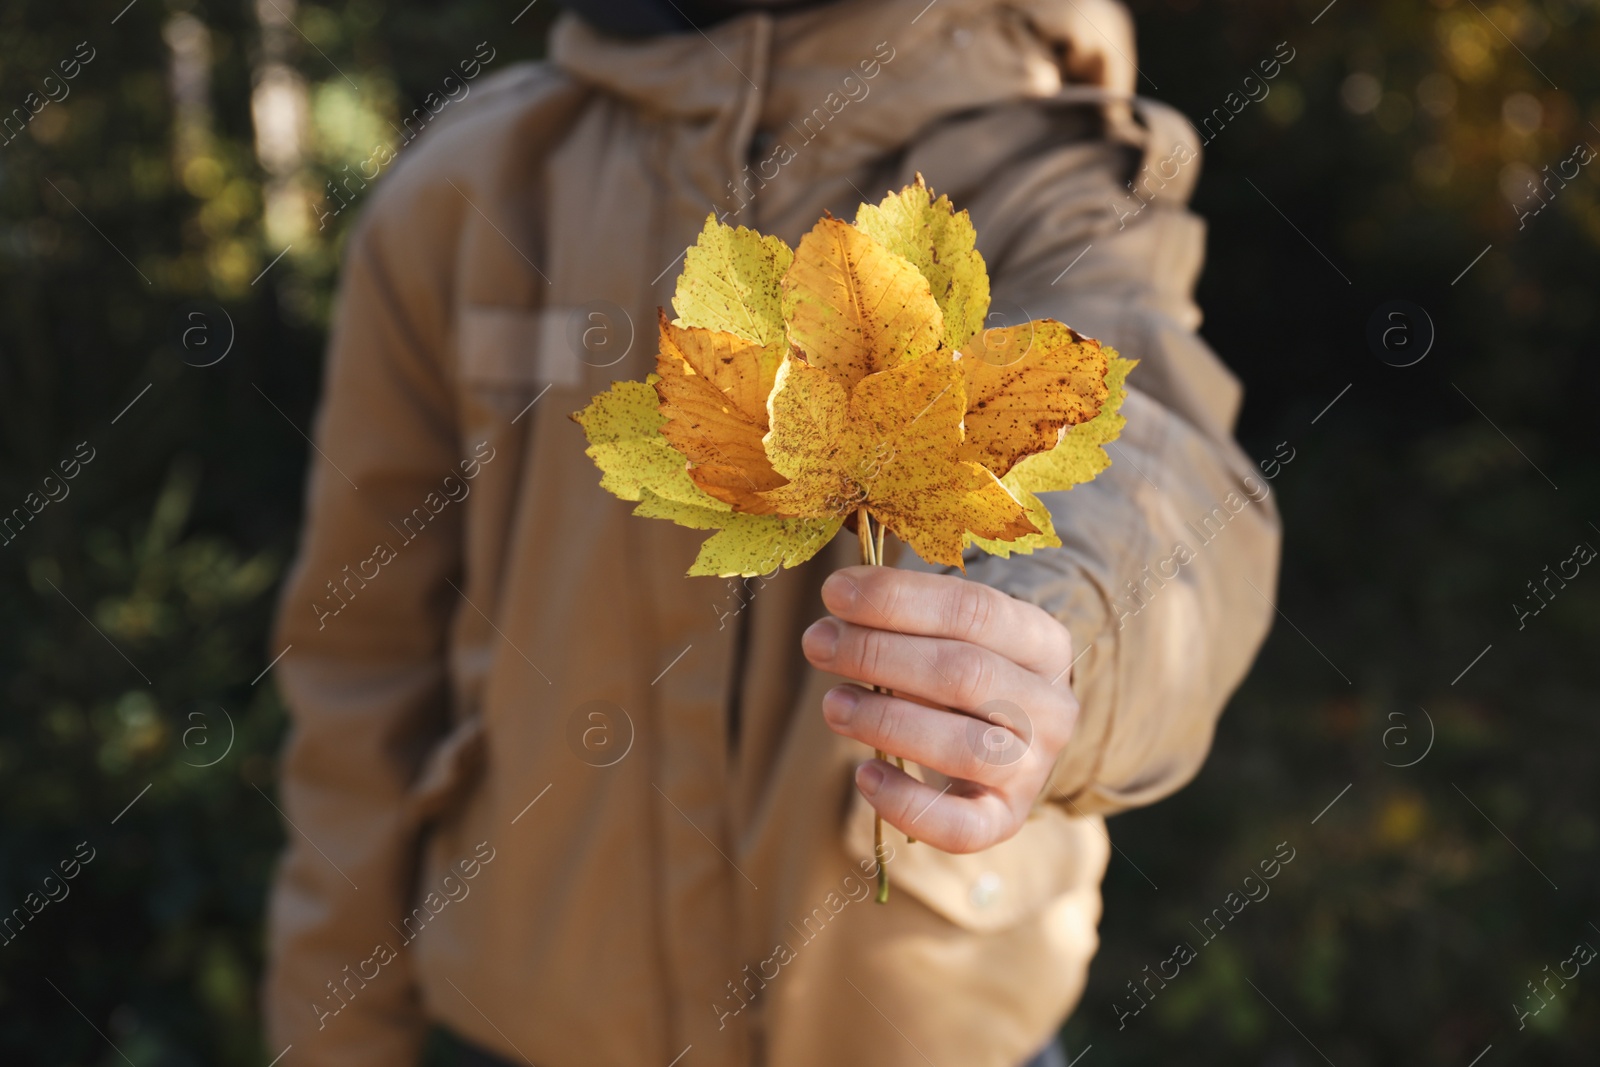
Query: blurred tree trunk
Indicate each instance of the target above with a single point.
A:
(279, 108)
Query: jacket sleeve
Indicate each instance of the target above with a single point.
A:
(1169, 558)
(364, 617)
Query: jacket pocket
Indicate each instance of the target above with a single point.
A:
(988, 891)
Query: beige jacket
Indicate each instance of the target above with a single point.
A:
(550, 793)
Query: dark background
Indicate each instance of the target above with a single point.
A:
(1387, 156)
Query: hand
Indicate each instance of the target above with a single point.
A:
(979, 693)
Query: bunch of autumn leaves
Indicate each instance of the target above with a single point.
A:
(797, 388)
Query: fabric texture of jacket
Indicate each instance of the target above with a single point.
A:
(583, 810)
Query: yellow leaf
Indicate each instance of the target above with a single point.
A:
(1025, 384)
(940, 242)
(747, 548)
(623, 425)
(807, 442)
(1078, 458)
(713, 388)
(730, 283)
(986, 510)
(1081, 454)
(1038, 514)
(744, 544)
(799, 388)
(892, 447)
(684, 513)
(854, 307)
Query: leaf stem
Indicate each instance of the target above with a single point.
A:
(872, 555)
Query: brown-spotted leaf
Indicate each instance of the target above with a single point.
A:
(1025, 385)
(891, 447)
(853, 307)
(798, 388)
(808, 443)
(730, 282)
(713, 388)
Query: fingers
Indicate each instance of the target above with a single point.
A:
(958, 645)
(943, 605)
(949, 673)
(997, 752)
(961, 817)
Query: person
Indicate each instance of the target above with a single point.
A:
(552, 797)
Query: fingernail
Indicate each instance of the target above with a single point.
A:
(839, 703)
(821, 639)
(838, 591)
(869, 776)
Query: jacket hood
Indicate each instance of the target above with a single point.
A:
(948, 56)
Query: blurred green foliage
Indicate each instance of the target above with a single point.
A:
(1388, 154)
(135, 608)
(1407, 926)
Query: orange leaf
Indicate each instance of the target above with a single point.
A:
(713, 388)
(1025, 385)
